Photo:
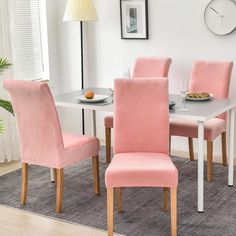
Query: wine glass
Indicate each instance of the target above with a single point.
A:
(183, 91)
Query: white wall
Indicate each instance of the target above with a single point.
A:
(176, 29)
(52, 23)
(64, 60)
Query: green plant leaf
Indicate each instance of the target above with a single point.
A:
(6, 105)
(4, 64)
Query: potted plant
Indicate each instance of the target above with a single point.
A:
(4, 64)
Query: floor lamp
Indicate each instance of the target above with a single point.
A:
(80, 10)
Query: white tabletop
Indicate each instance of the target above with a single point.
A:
(200, 110)
(196, 110)
(69, 100)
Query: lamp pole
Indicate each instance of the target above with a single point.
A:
(80, 10)
(82, 69)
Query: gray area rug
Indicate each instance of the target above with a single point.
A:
(142, 214)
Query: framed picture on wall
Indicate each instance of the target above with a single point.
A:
(134, 19)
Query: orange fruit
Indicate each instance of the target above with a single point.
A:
(89, 94)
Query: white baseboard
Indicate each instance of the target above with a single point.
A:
(179, 153)
(184, 154)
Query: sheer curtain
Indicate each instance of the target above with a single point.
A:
(9, 144)
(23, 41)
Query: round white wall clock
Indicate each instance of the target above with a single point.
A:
(220, 16)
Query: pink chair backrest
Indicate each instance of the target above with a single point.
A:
(213, 77)
(37, 121)
(141, 115)
(151, 67)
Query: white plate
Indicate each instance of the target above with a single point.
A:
(96, 98)
(198, 99)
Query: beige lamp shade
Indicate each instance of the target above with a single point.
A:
(80, 10)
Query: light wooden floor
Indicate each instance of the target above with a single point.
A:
(14, 222)
(9, 167)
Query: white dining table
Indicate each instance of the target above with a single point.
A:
(198, 111)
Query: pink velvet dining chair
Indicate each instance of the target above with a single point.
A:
(41, 139)
(141, 152)
(143, 67)
(213, 77)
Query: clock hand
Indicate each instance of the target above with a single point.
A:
(216, 11)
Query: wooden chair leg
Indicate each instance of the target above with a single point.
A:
(108, 145)
(118, 199)
(190, 148)
(224, 153)
(173, 209)
(110, 196)
(169, 144)
(24, 183)
(165, 199)
(59, 189)
(96, 182)
(209, 160)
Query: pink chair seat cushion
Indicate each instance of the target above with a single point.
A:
(78, 147)
(76, 141)
(141, 169)
(187, 128)
(108, 121)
